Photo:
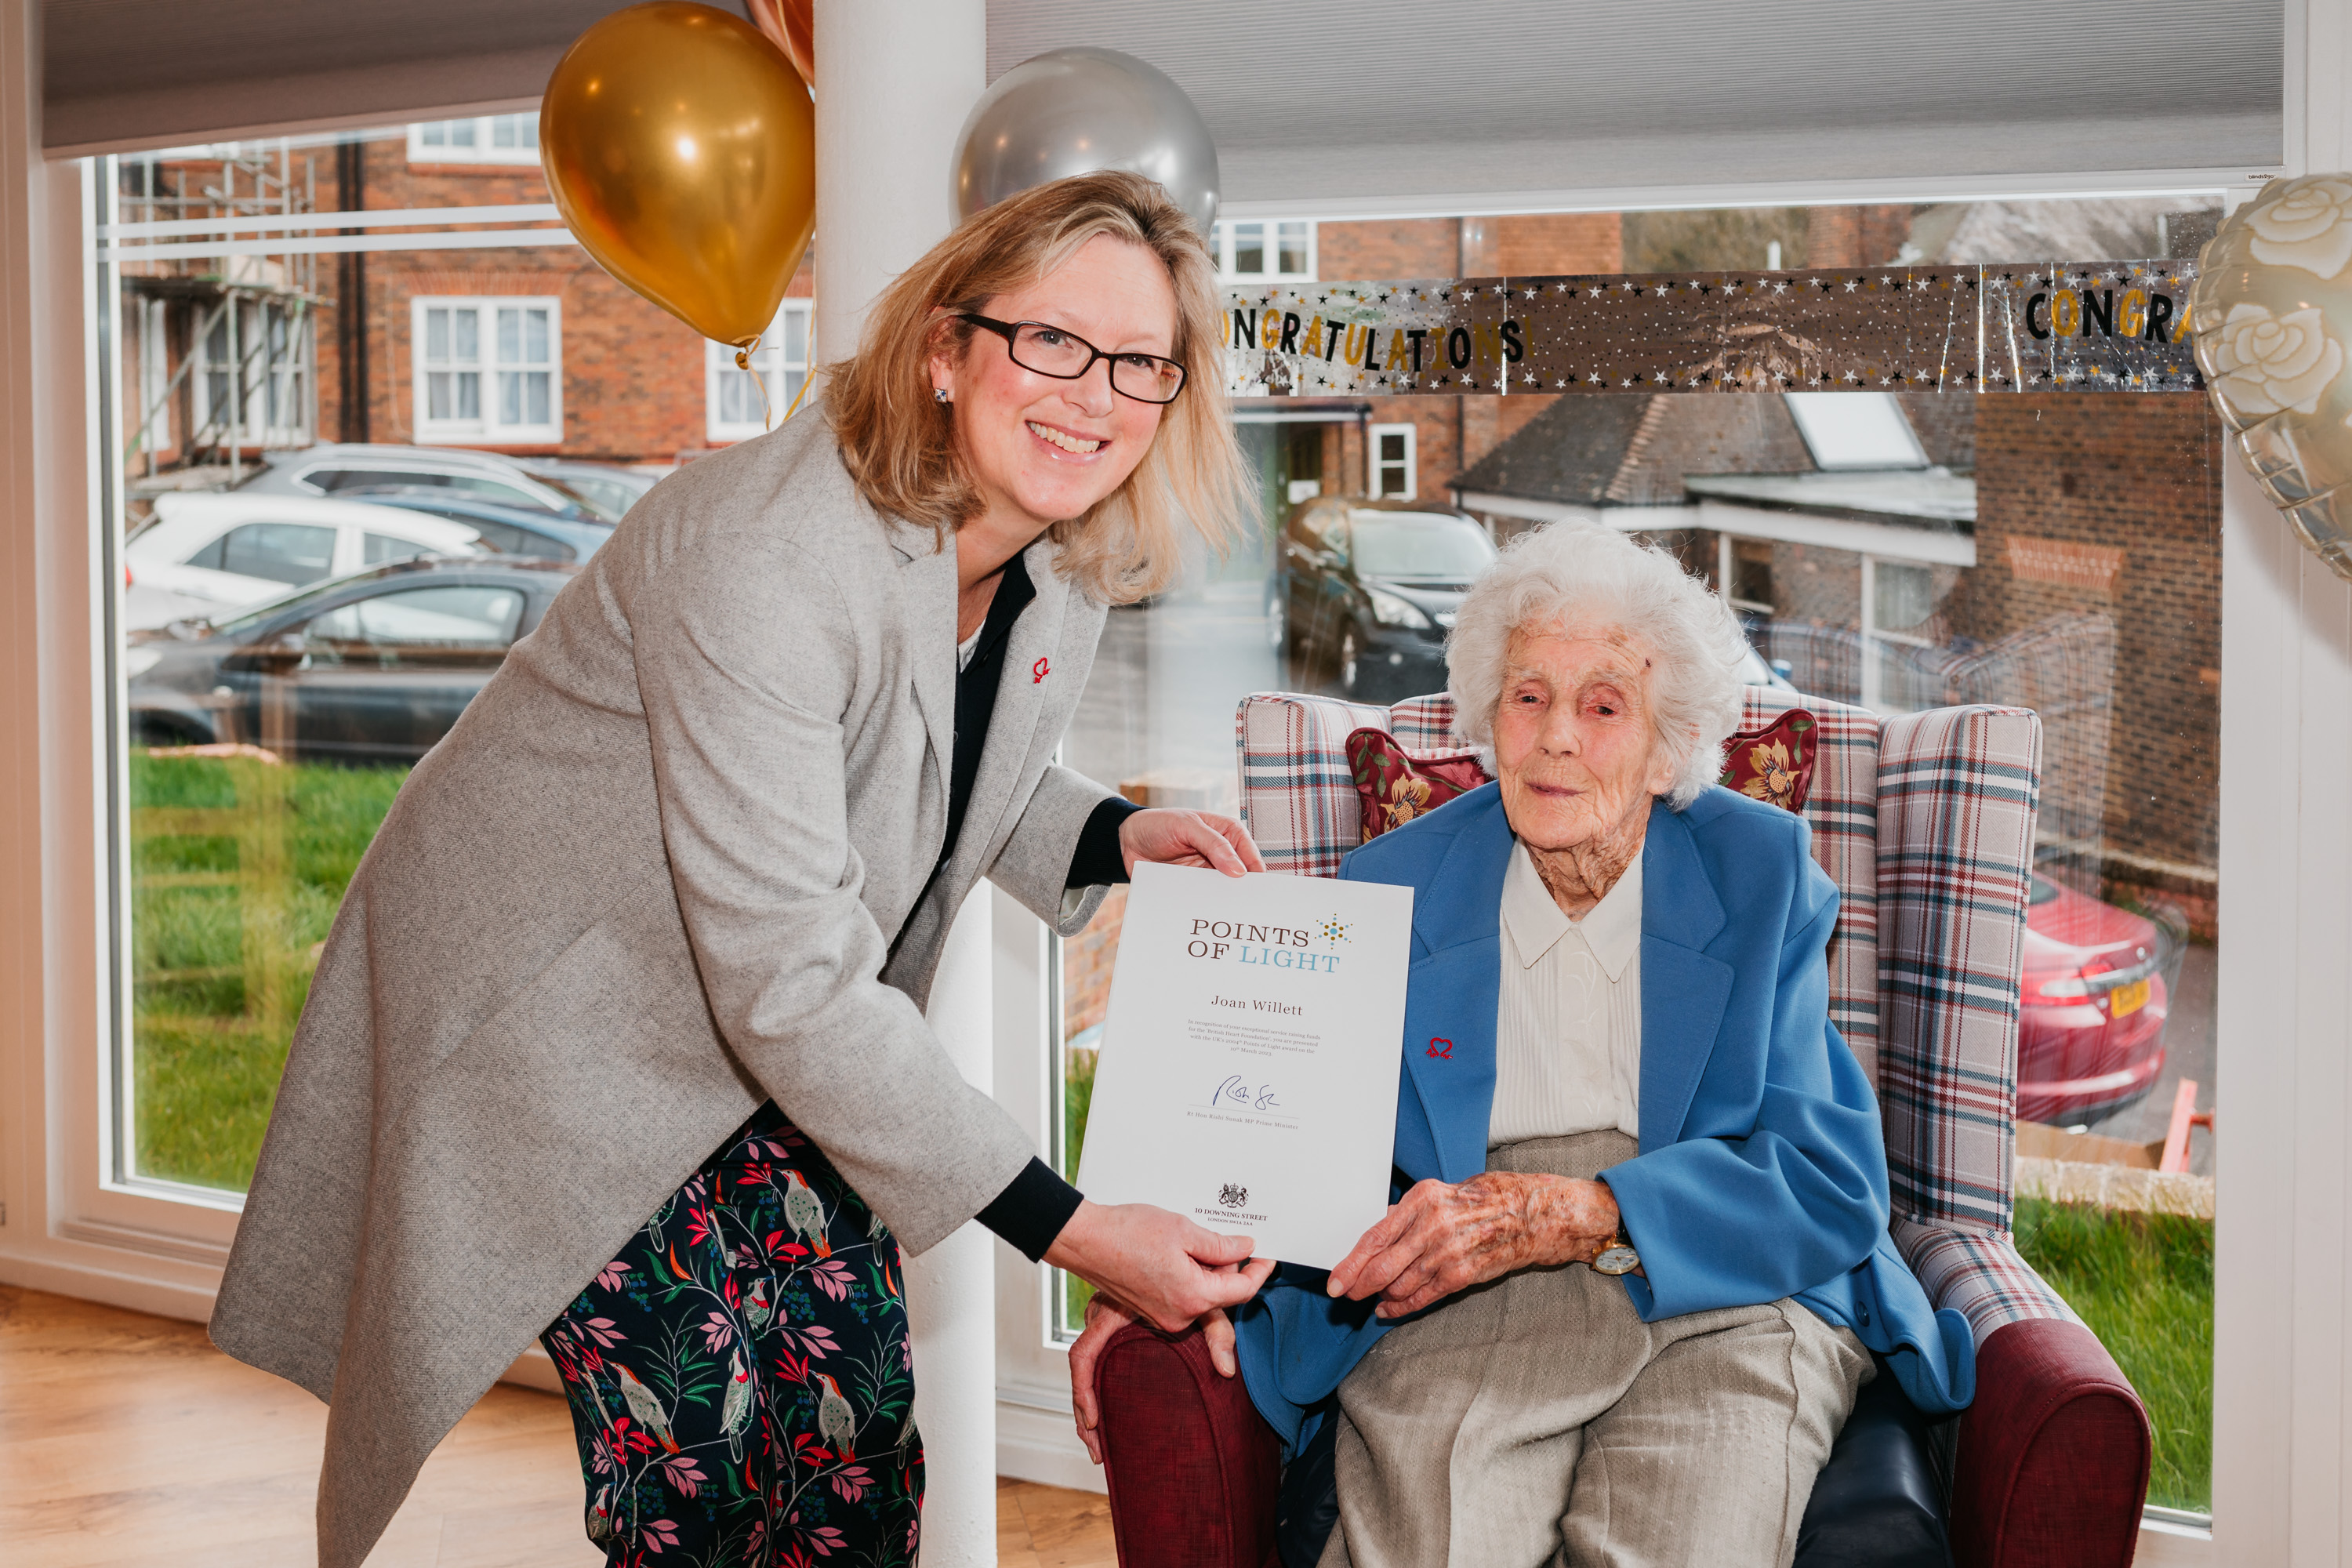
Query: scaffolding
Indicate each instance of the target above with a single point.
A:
(246, 325)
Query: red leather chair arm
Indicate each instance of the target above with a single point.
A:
(1191, 1466)
(2053, 1454)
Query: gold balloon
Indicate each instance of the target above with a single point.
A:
(681, 150)
(2272, 315)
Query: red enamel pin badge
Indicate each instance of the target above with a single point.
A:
(1446, 1055)
(1039, 671)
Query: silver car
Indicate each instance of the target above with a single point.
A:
(333, 467)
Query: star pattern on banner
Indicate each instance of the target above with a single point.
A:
(2080, 326)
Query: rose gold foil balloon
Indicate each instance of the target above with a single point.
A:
(2272, 314)
(790, 28)
(681, 150)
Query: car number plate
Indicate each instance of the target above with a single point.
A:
(2125, 1000)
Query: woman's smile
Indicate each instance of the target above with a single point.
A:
(1067, 442)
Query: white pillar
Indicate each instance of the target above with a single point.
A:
(952, 1291)
(893, 85)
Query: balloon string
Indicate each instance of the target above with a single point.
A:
(743, 363)
(808, 376)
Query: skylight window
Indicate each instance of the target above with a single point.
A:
(1855, 430)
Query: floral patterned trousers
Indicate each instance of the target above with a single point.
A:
(741, 1380)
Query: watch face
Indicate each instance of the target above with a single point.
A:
(1617, 1260)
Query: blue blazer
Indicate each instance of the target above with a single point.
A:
(1762, 1170)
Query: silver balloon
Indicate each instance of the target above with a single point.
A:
(1073, 111)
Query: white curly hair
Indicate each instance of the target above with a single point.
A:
(1583, 575)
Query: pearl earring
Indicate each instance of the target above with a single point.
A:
(940, 395)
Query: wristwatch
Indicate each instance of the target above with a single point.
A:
(1618, 1256)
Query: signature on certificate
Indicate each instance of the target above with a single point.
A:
(1234, 1092)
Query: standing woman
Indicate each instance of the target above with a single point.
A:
(619, 1034)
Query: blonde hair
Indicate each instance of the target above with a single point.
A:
(899, 445)
(1571, 573)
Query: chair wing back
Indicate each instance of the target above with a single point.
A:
(1958, 789)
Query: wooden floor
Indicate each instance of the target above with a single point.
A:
(127, 1439)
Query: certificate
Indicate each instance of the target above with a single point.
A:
(1248, 1078)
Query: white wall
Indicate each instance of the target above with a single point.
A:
(2282, 1453)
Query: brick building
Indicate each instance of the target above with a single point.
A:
(530, 349)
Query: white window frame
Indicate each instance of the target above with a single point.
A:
(488, 427)
(485, 132)
(154, 381)
(1220, 244)
(769, 362)
(1374, 464)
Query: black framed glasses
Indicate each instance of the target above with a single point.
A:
(1066, 356)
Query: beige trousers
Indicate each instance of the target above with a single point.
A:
(1537, 1420)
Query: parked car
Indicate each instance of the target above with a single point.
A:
(211, 556)
(332, 468)
(608, 490)
(2097, 991)
(508, 529)
(375, 668)
(1369, 589)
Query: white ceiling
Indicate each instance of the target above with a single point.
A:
(1335, 106)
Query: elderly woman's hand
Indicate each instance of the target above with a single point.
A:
(1105, 1317)
(1443, 1238)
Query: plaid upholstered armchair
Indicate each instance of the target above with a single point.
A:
(1925, 822)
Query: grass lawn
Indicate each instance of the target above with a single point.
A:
(236, 868)
(1078, 1096)
(2143, 1284)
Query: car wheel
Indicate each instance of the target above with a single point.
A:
(1347, 662)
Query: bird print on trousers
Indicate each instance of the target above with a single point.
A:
(735, 1414)
(724, 1368)
(836, 1423)
(805, 1213)
(646, 1407)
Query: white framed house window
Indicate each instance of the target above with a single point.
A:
(262, 349)
(781, 362)
(483, 139)
(1255, 249)
(487, 370)
(1898, 597)
(1394, 474)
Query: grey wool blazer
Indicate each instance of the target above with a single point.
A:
(675, 859)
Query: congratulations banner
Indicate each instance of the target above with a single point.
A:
(2086, 326)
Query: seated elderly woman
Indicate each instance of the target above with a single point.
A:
(1637, 1259)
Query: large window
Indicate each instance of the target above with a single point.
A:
(488, 370)
(2056, 551)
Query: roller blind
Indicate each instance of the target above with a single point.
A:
(1371, 106)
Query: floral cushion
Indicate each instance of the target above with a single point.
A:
(1396, 782)
(1775, 763)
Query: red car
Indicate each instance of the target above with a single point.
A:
(2091, 1038)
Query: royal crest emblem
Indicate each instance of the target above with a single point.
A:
(1233, 1196)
